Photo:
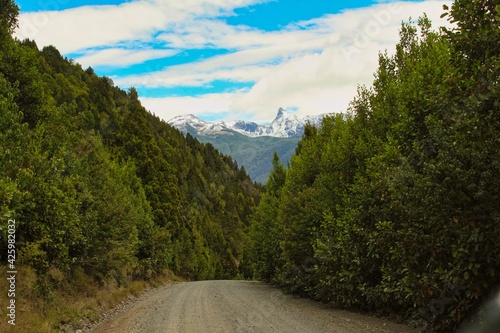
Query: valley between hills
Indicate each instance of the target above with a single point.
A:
(391, 208)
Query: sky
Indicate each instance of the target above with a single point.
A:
(227, 59)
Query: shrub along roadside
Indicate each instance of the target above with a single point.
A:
(102, 189)
(74, 301)
(394, 207)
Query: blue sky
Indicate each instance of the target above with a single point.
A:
(227, 59)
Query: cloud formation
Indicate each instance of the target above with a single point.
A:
(119, 57)
(313, 66)
(86, 27)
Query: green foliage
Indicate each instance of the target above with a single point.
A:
(98, 184)
(265, 231)
(10, 149)
(252, 153)
(394, 207)
(8, 16)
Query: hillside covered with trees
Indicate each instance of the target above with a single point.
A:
(393, 208)
(255, 154)
(396, 207)
(99, 186)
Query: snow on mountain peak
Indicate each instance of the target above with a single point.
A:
(281, 112)
(285, 125)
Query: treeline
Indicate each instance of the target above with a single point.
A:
(395, 207)
(97, 184)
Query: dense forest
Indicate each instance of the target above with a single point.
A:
(255, 154)
(96, 184)
(393, 207)
(396, 206)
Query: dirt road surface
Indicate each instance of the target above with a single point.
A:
(237, 307)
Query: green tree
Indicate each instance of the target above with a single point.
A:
(389, 207)
(266, 232)
(99, 183)
(8, 17)
(11, 147)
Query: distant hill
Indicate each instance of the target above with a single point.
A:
(284, 125)
(254, 154)
(250, 144)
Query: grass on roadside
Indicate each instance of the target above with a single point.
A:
(58, 302)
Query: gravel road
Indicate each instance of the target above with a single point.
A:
(236, 307)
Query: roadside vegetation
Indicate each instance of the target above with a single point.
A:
(395, 208)
(106, 197)
(73, 303)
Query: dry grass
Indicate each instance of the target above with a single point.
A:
(65, 301)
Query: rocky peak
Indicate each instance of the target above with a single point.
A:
(285, 125)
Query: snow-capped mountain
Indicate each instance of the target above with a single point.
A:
(250, 144)
(201, 127)
(285, 125)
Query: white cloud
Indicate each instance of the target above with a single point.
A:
(117, 57)
(313, 66)
(327, 81)
(194, 75)
(303, 78)
(81, 28)
(169, 107)
(255, 53)
(314, 84)
(93, 26)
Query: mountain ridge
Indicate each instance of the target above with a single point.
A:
(251, 145)
(284, 125)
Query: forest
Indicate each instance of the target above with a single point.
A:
(395, 208)
(391, 208)
(100, 187)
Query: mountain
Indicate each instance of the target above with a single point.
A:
(285, 125)
(254, 154)
(104, 192)
(248, 143)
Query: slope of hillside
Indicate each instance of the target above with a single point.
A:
(102, 192)
(250, 144)
(395, 208)
(284, 125)
(254, 154)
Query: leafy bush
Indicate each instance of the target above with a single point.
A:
(395, 208)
